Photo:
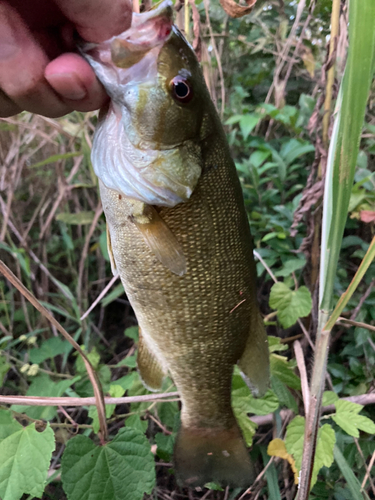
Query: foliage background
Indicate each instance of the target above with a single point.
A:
(267, 74)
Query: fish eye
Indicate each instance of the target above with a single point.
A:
(181, 89)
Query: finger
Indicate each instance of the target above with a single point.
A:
(22, 64)
(74, 80)
(7, 107)
(97, 20)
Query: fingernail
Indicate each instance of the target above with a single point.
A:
(8, 42)
(68, 85)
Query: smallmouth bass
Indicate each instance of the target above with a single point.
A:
(179, 237)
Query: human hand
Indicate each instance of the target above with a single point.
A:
(39, 71)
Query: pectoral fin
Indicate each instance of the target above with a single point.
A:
(160, 239)
(149, 368)
(254, 362)
(110, 253)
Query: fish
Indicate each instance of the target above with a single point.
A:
(179, 238)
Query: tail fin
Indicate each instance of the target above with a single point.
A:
(205, 455)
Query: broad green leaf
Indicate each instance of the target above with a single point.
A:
(79, 218)
(247, 426)
(24, 460)
(167, 413)
(135, 422)
(165, 445)
(129, 361)
(290, 266)
(329, 398)
(127, 380)
(248, 123)
(294, 439)
(324, 448)
(348, 419)
(283, 369)
(8, 425)
(132, 333)
(94, 358)
(120, 470)
(244, 402)
(290, 305)
(49, 349)
(42, 385)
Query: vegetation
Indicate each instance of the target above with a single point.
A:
(271, 77)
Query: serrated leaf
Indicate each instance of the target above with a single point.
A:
(49, 349)
(120, 470)
(8, 425)
(135, 422)
(324, 450)
(277, 448)
(247, 426)
(79, 218)
(24, 460)
(324, 447)
(329, 398)
(244, 402)
(348, 419)
(290, 305)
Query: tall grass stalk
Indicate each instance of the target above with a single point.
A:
(342, 158)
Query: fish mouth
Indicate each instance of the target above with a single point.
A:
(132, 55)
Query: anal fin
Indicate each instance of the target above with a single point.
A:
(160, 239)
(150, 370)
(254, 363)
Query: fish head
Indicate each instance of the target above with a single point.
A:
(158, 97)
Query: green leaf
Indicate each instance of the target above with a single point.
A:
(120, 470)
(248, 123)
(8, 425)
(353, 484)
(283, 369)
(247, 426)
(135, 422)
(94, 358)
(55, 158)
(348, 419)
(79, 218)
(290, 266)
(274, 344)
(324, 450)
(164, 446)
(24, 460)
(244, 402)
(294, 439)
(283, 394)
(329, 398)
(132, 333)
(43, 386)
(49, 349)
(290, 305)
(129, 361)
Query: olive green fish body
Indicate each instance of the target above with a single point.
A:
(189, 273)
